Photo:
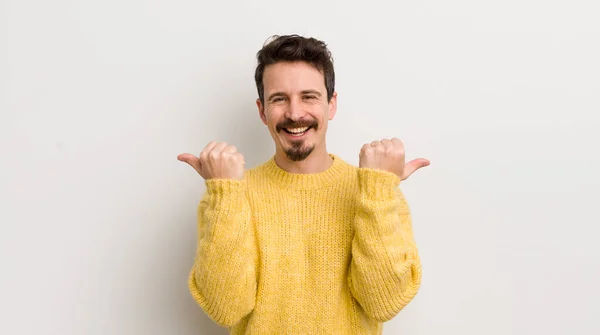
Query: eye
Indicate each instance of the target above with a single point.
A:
(310, 97)
(277, 99)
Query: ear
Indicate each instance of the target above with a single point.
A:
(333, 106)
(261, 111)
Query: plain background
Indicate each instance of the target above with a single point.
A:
(99, 97)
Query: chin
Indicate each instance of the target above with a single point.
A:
(298, 154)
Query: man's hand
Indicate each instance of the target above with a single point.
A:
(388, 155)
(217, 161)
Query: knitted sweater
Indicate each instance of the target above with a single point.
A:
(324, 253)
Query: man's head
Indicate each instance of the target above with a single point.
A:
(296, 94)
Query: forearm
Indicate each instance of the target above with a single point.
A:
(385, 272)
(223, 278)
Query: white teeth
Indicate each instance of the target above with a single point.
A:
(297, 130)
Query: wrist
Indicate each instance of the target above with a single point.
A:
(377, 184)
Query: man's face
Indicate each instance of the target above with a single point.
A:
(296, 109)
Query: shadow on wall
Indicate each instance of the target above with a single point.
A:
(250, 135)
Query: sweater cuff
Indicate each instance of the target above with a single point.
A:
(226, 194)
(377, 184)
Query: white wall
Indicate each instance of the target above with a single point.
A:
(99, 97)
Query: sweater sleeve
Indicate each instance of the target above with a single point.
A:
(385, 271)
(223, 278)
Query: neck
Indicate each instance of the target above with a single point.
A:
(317, 161)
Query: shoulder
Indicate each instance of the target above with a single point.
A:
(256, 171)
(345, 166)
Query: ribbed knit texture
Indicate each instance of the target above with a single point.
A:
(324, 253)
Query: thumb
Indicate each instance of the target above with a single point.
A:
(414, 165)
(192, 160)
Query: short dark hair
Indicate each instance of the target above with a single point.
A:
(295, 48)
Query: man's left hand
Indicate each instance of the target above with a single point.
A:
(388, 155)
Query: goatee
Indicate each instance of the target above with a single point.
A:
(298, 152)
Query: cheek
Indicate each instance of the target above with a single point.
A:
(272, 119)
(323, 114)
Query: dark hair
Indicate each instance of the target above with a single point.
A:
(295, 48)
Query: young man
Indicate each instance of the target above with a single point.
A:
(304, 243)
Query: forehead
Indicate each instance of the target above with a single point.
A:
(292, 77)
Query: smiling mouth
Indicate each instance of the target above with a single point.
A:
(296, 131)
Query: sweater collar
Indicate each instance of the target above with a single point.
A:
(306, 181)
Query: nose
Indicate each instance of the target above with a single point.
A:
(295, 109)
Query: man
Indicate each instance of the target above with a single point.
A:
(304, 243)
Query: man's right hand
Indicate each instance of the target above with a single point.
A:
(218, 160)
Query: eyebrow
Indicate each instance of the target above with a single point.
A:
(281, 94)
(315, 92)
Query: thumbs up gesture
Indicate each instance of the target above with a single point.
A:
(218, 160)
(388, 155)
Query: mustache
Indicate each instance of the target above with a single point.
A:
(288, 123)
